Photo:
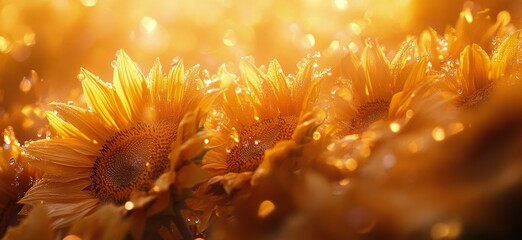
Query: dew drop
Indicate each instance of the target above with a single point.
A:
(70, 102)
(129, 205)
(238, 90)
(11, 161)
(316, 135)
(15, 183)
(114, 64)
(438, 134)
(25, 85)
(19, 169)
(81, 76)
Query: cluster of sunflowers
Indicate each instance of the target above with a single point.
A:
(405, 144)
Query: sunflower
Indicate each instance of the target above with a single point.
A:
(371, 89)
(472, 27)
(16, 176)
(257, 110)
(167, 205)
(274, 191)
(478, 73)
(117, 145)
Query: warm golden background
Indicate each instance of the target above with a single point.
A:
(43, 43)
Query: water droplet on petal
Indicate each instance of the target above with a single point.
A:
(81, 76)
(114, 64)
(129, 205)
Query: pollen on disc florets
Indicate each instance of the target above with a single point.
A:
(254, 140)
(366, 115)
(475, 99)
(130, 159)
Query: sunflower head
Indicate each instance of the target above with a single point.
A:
(259, 109)
(173, 189)
(368, 86)
(472, 27)
(478, 74)
(120, 143)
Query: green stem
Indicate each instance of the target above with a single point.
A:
(182, 226)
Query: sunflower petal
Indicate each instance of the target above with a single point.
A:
(65, 214)
(156, 82)
(376, 69)
(103, 101)
(506, 56)
(56, 192)
(85, 121)
(63, 128)
(130, 86)
(176, 83)
(56, 157)
(474, 68)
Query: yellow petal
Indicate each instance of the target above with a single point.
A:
(428, 43)
(176, 83)
(156, 82)
(51, 156)
(233, 181)
(103, 101)
(65, 214)
(278, 79)
(130, 86)
(505, 58)
(85, 121)
(190, 175)
(474, 68)
(417, 74)
(376, 69)
(281, 152)
(254, 78)
(63, 128)
(304, 87)
(45, 191)
(99, 226)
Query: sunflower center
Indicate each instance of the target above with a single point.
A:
(473, 100)
(130, 160)
(367, 114)
(254, 140)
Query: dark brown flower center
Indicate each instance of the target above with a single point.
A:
(367, 114)
(253, 141)
(475, 99)
(130, 160)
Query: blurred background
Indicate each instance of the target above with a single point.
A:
(43, 43)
